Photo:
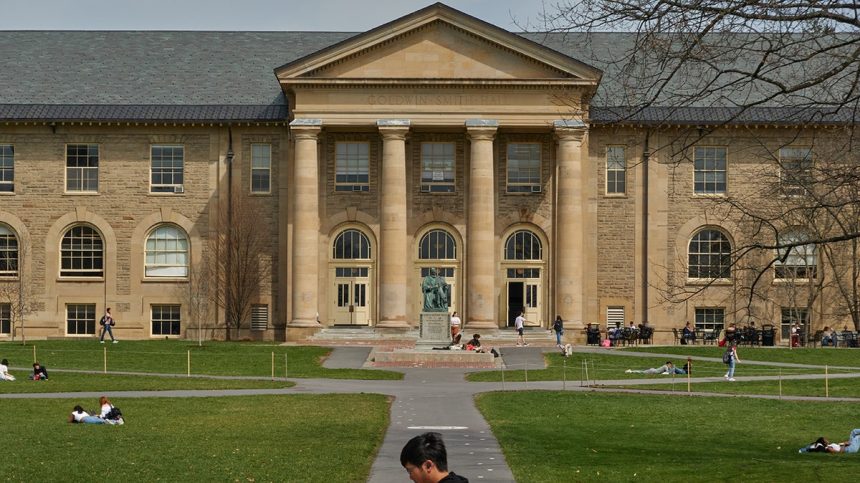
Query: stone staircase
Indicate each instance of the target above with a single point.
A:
(344, 335)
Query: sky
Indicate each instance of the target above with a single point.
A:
(295, 15)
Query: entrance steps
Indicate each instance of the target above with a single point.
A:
(365, 335)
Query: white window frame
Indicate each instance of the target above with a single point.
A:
(441, 166)
(795, 171)
(802, 259)
(705, 318)
(725, 266)
(261, 167)
(7, 168)
(84, 310)
(172, 171)
(83, 253)
(616, 168)
(166, 254)
(352, 161)
(85, 173)
(702, 154)
(533, 185)
(7, 234)
(161, 321)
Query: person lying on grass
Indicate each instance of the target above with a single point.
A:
(666, 369)
(80, 416)
(821, 445)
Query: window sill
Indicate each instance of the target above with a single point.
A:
(80, 279)
(615, 195)
(168, 193)
(708, 195)
(156, 336)
(712, 282)
(164, 280)
(81, 193)
(786, 281)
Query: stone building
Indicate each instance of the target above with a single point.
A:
(433, 141)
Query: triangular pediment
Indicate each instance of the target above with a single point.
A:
(440, 44)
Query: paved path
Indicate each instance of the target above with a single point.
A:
(441, 400)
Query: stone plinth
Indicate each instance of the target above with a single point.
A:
(434, 331)
(431, 358)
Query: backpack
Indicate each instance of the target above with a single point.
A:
(114, 413)
(727, 356)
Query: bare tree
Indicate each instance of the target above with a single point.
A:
(243, 265)
(197, 294)
(686, 69)
(17, 296)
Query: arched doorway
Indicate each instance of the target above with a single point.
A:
(437, 248)
(523, 268)
(351, 272)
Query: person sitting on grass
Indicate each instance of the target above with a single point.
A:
(80, 416)
(40, 373)
(475, 345)
(4, 371)
(109, 412)
(666, 369)
(821, 445)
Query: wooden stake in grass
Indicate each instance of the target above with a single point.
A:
(689, 372)
(826, 383)
(564, 374)
(780, 383)
(34, 353)
(273, 365)
(286, 366)
(104, 357)
(188, 363)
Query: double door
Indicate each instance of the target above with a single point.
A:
(525, 293)
(352, 296)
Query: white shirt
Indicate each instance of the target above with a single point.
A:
(79, 416)
(455, 321)
(519, 322)
(105, 410)
(3, 371)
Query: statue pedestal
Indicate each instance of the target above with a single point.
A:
(435, 330)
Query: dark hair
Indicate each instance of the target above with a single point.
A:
(427, 446)
(476, 336)
(78, 409)
(4, 362)
(37, 364)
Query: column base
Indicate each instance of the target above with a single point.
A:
(480, 324)
(393, 324)
(311, 323)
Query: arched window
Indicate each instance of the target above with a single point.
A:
(167, 252)
(8, 252)
(437, 245)
(800, 260)
(82, 253)
(709, 255)
(351, 245)
(523, 245)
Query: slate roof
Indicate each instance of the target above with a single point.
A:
(229, 76)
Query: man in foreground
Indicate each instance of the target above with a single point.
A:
(426, 460)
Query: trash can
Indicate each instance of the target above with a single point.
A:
(767, 337)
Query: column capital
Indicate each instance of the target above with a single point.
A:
(393, 129)
(481, 129)
(306, 128)
(570, 130)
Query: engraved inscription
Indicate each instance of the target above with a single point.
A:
(435, 100)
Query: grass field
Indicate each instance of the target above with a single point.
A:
(814, 356)
(172, 357)
(261, 438)
(557, 436)
(76, 382)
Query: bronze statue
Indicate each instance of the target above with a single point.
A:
(436, 292)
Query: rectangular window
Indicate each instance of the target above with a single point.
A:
(795, 170)
(437, 167)
(792, 315)
(82, 168)
(259, 317)
(7, 168)
(616, 170)
(352, 167)
(81, 319)
(5, 318)
(524, 168)
(167, 168)
(710, 318)
(523, 273)
(710, 171)
(165, 319)
(261, 168)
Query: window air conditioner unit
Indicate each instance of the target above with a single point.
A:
(179, 189)
(536, 189)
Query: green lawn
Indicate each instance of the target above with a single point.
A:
(564, 436)
(172, 357)
(261, 438)
(814, 356)
(836, 387)
(76, 382)
(605, 366)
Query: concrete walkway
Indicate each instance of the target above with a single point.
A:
(441, 400)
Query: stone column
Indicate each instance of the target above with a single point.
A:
(480, 229)
(306, 223)
(393, 256)
(570, 223)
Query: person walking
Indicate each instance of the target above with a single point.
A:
(558, 327)
(107, 322)
(731, 358)
(519, 324)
